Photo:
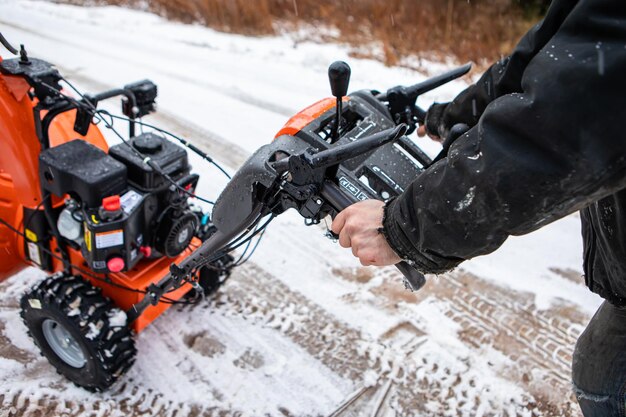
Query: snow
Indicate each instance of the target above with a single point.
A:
(117, 318)
(234, 93)
(94, 331)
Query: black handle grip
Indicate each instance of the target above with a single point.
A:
(416, 90)
(432, 83)
(413, 279)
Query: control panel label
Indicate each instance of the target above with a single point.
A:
(352, 189)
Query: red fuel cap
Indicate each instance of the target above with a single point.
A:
(111, 203)
(115, 264)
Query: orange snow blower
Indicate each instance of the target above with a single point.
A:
(114, 226)
(106, 223)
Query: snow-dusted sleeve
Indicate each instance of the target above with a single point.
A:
(533, 156)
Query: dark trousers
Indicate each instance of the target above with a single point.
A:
(599, 365)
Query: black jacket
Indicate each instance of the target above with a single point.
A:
(546, 139)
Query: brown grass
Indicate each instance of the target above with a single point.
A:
(477, 30)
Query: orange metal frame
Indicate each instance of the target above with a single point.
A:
(19, 188)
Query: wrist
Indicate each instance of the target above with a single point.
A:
(391, 232)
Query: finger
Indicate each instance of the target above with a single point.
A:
(421, 131)
(367, 258)
(339, 222)
(355, 251)
(344, 239)
(366, 262)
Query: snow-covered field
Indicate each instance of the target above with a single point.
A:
(302, 329)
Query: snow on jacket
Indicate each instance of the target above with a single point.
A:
(547, 138)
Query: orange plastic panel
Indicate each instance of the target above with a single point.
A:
(306, 116)
(11, 261)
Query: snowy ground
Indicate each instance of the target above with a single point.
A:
(302, 329)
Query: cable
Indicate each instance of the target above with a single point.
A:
(83, 271)
(184, 142)
(240, 262)
(7, 45)
(88, 106)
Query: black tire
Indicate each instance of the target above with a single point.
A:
(97, 335)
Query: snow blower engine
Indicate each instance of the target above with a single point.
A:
(120, 210)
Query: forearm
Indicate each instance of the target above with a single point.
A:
(531, 158)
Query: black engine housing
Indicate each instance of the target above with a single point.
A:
(126, 210)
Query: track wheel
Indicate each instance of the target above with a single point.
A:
(83, 335)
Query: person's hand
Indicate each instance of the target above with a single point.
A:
(358, 228)
(421, 132)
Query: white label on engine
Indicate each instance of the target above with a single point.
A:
(109, 239)
(33, 253)
(129, 201)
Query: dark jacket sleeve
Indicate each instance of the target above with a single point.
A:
(533, 157)
(503, 77)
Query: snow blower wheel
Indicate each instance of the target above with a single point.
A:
(79, 331)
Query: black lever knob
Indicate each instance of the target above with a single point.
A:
(339, 77)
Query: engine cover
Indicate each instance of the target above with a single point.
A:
(171, 158)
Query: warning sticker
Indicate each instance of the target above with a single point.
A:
(30, 235)
(33, 253)
(87, 235)
(109, 239)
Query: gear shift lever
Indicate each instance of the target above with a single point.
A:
(339, 77)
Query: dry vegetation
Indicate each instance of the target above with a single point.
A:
(474, 30)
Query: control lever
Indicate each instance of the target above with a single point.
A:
(340, 153)
(339, 77)
(401, 100)
(310, 161)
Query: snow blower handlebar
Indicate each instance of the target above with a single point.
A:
(316, 175)
(401, 100)
(340, 153)
(297, 180)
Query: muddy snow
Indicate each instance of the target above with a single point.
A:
(302, 329)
